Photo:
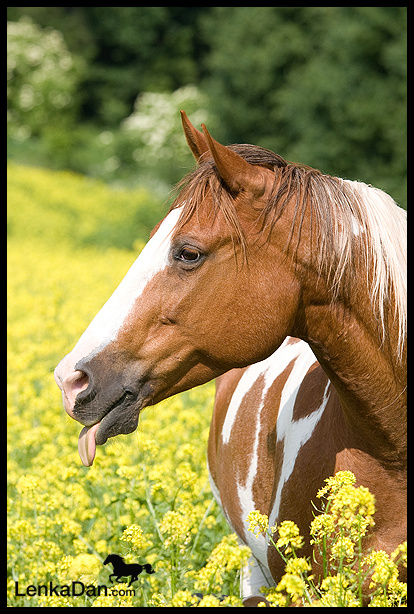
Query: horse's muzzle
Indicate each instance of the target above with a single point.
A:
(104, 410)
(71, 384)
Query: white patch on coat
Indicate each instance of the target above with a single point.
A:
(271, 369)
(279, 359)
(294, 435)
(254, 575)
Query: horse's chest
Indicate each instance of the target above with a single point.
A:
(257, 436)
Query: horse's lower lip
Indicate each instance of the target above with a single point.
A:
(121, 418)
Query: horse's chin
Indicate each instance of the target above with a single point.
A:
(121, 422)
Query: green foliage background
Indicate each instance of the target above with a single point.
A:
(325, 86)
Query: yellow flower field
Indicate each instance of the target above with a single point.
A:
(147, 495)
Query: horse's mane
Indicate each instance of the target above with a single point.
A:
(349, 215)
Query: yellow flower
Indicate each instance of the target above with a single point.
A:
(333, 483)
(183, 599)
(84, 567)
(294, 585)
(28, 486)
(54, 601)
(289, 536)
(226, 556)
(384, 569)
(343, 547)
(121, 597)
(126, 472)
(297, 566)
(58, 509)
(135, 536)
(348, 512)
(257, 522)
(336, 592)
(157, 601)
(231, 601)
(186, 475)
(209, 601)
(322, 525)
(274, 597)
(176, 527)
(400, 553)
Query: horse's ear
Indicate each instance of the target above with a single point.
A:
(235, 171)
(195, 139)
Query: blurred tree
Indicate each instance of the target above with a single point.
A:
(42, 79)
(154, 131)
(129, 50)
(321, 85)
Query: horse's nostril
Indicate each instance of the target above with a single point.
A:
(72, 385)
(80, 382)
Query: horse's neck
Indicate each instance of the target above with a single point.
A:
(370, 383)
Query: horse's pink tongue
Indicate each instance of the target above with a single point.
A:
(87, 444)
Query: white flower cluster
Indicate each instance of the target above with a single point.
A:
(155, 124)
(41, 77)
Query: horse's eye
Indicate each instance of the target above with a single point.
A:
(189, 254)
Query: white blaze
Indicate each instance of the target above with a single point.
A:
(104, 327)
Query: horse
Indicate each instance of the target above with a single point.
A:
(287, 286)
(122, 569)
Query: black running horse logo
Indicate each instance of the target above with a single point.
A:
(122, 569)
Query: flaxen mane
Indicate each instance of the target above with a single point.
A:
(349, 215)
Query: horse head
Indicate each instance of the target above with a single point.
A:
(196, 302)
